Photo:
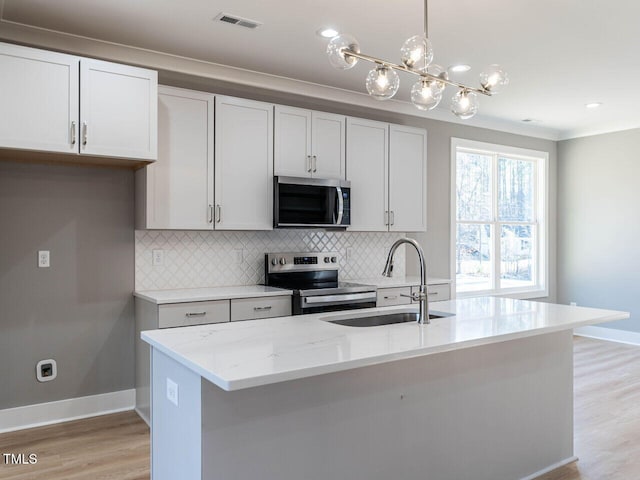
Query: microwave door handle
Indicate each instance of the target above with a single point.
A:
(340, 206)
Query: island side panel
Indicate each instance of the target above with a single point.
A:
(176, 433)
(500, 411)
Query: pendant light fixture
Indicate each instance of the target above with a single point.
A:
(416, 55)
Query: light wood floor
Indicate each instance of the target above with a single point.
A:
(607, 430)
(110, 447)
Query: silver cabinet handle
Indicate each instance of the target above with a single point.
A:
(432, 293)
(390, 297)
(210, 214)
(386, 217)
(85, 135)
(315, 164)
(218, 213)
(392, 216)
(196, 314)
(262, 309)
(73, 133)
(309, 164)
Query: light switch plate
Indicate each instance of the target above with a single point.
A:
(44, 259)
(172, 391)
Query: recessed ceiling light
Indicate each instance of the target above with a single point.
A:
(593, 105)
(327, 32)
(530, 120)
(460, 68)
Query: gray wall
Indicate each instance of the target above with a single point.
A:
(598, 226)
(80, 310)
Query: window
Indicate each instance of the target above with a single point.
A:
(499, 230)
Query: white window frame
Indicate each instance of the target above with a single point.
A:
(541, 287)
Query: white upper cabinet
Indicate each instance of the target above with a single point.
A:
(309, 143)
(38, 100)
(407, 179)
(176, 191)
(118, 110)
(243, 165)
(387, 168)
(328, 145)
(368, 172)
(52, 102)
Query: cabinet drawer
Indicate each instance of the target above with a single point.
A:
(194, 313)
(260, 307)
(436, 292)
(392, 296)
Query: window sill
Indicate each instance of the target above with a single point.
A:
(518, 294)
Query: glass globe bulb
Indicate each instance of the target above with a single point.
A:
(493, 79)
(440, 72)
(417, 53)
(425, 94)
(336, 51)
(382, 83)
(464, 104)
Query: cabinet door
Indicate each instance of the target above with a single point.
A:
(179, 185)
(118, 110)
(367, 170)
(243, 165)
(407, 179)
(38, 99)
(292, 142)
(327, 145)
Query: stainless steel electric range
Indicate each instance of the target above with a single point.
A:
(313, 277)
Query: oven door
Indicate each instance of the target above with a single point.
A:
(332, 303)
(311, 202)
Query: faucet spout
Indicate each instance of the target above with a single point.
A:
(421, 296)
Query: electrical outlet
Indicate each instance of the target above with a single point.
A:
(157, 258)
(573, 304)
(172, 391)
(239, 255)
(44, 259)
(46, 370)
(348, 253)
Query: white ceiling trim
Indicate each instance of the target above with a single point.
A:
(90, 47)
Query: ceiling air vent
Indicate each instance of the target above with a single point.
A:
(236, 20)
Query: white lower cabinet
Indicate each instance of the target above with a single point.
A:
(151, 316)
(387, 168)
(261, 307)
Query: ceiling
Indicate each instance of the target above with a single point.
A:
(559, 55)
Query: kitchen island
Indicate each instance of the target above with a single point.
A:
(484, 394)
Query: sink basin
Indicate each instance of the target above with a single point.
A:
(385, 319)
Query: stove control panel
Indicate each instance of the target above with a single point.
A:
(301, 262)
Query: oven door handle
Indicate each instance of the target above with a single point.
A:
(342, 298)
(340, 205)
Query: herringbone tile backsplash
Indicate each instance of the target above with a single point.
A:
(207, 259)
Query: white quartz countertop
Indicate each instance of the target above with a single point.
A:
(408, 281)
(246, 354)
(207, 294)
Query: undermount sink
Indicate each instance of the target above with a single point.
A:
(385, 319)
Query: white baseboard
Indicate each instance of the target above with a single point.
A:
(611, 334)
(146, 419)
(30, 416)
(561, 463)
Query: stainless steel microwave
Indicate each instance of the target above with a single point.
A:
(311, 202)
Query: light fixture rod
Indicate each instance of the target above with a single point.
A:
(426, 18)
(423, 75)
